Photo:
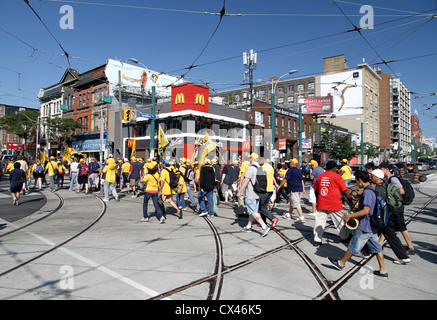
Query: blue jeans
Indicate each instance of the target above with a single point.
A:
(73, 180)
(190, 195)
(180, 200)
(360, 239)
(154, 196)
(210, 198)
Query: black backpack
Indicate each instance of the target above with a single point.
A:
(380, 216)
(409, 195)
(260, 185)
(173, 183)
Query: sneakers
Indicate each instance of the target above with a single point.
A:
(301, 219)
(246, 229)
(402, 261)
(380, 274)
(144, 219)
(162, 220)
(14, 201)
(286, 216)
(336, 264)
(203, 214)
(411, 251)
(264, 232)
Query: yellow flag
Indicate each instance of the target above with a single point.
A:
(134, 151)
(196, 149)
(67, 155)
(162, 142)
(42, 156)
(207, 147)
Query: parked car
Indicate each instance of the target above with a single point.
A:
(433, 165)
(421, 166)
(356, 167)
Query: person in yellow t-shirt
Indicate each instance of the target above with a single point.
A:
(50, 168)
(346, 173)
(182, 189)
(164, 187)
(124, 174)
(150, 179)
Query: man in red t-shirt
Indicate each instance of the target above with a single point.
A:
(328, 188)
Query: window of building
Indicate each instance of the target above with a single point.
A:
(301, 87)
(281, 90)
(280, 101)
(290, 88)
(290, 100)
(311, 85)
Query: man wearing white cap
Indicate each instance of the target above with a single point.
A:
(252, 198)
(389, 232)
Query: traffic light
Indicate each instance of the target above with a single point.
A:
(126, 115)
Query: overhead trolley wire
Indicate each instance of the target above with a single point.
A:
(37, 15)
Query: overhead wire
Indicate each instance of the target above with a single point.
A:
(53, 36)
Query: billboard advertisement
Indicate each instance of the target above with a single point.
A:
(322, 105)
(346, 90)
(139, 80)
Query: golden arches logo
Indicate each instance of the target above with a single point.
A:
(180, 99)
(200, 99)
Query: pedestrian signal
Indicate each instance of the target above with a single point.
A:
(127, 115)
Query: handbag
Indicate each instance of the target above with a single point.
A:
(55, 171)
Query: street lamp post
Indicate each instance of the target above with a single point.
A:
(272, 111)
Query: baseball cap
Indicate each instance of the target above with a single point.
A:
(254, 156)
(294, 161)
(378, 173)
(313, 162)
(344, 160)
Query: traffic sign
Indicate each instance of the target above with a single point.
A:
(146, 115)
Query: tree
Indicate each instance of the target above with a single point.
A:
(64, 128)
(21, 123)
(336, 145)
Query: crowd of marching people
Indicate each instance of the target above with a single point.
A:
(254, 185)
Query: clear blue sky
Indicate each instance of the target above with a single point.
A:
(168, 35)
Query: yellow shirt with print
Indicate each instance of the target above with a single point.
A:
(182, 186)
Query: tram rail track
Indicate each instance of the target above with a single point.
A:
(55, 246)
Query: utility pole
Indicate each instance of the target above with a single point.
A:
(250, 61)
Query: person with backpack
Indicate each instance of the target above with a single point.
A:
(295, 189)
(94, 169)
(38, 172)
(150, 179)
(389, 232)
(228, 178)
(366, 233)
(396, 190)
(82, 173)
(167, 183)
(187, 172)
(61, 171)
(110, 179)
(252, 198)
(207, 185)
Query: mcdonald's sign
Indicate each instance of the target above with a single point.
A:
(180, 99)
(190, 96)
(200, 99)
